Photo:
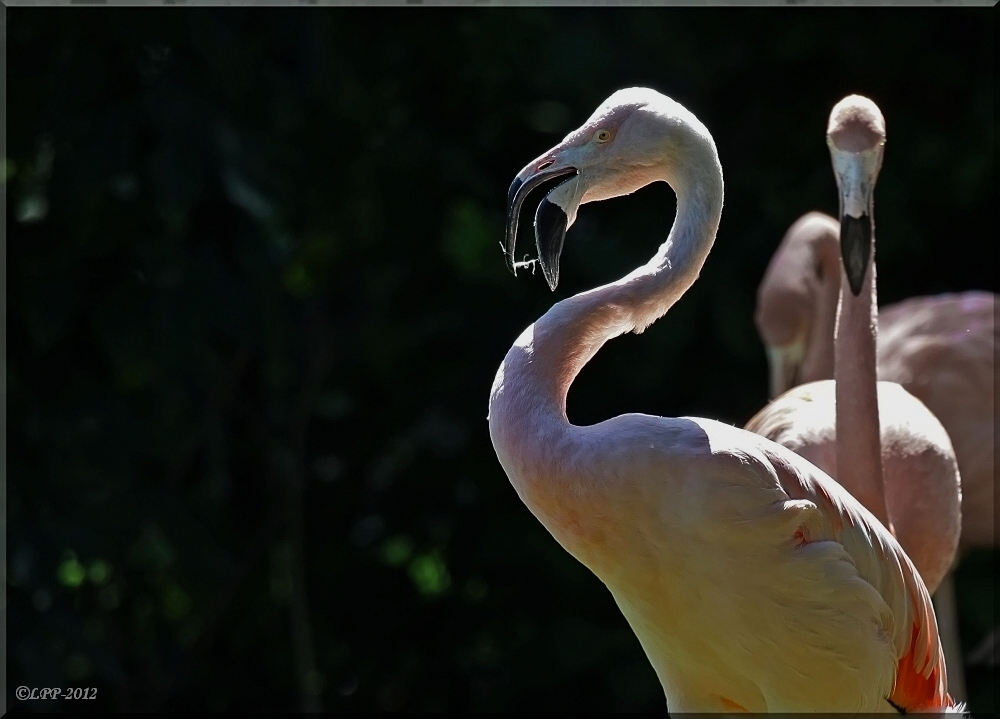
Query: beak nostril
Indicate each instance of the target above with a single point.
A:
(545, 164)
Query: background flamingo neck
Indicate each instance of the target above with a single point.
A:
(818, 362)
(859, 445)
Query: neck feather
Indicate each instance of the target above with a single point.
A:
(528, 402)
(859, 445)
(817, 364)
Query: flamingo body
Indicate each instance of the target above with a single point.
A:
(730, 556)
(941, 349)
(921, 478)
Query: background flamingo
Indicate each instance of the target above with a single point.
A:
(939, 348)
(743, 569)
(907, 476)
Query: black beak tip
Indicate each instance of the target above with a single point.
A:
(512, 213)
(508, 258)
(552, 278)
(855, 249)
(550, 233)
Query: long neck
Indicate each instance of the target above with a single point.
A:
(859, 445)
(817, 364)
(528, 403)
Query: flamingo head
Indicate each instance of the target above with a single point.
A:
(856, 138)
(633, 139)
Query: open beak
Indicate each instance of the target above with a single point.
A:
(550, 219)
(856, 173)
(784, 363)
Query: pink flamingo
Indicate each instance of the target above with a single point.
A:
(905, 474)
(940, 350)
(752, 580)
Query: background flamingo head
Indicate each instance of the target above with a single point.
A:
(856, 137)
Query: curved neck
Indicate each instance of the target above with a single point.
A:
(817, 362)
(859, 444)
(529, 394)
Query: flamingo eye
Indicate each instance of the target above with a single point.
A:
(603, 136)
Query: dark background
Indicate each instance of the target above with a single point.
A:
(256, 303)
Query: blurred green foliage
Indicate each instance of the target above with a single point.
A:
(256, 303)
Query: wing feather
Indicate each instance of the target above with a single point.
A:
(920, 680)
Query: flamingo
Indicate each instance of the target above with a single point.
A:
(939, 349)
(906, 474)
(752, 580)
(894, 455)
